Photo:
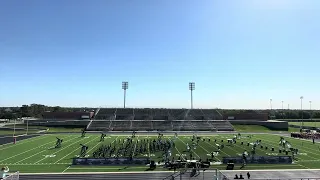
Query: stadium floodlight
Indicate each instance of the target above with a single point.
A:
(301, 124)
(192, 87)
(124, 87)
(270, 104)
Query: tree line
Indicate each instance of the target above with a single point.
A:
(33, 110)
(36, 111)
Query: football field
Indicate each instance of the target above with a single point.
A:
(38, 155)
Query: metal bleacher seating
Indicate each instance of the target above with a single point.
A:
(159, 119)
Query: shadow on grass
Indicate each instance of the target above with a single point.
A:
(151, 169)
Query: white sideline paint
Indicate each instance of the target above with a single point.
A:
(137, 172)
(88, 152)
(38, 152)
(191, 150)
(24, 141)
(60, 149)
(26, 151)
(76, 150)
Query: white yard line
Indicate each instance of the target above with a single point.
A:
(66, 169)
(30, 156)
(220, 149)
(76, 149)
(190, 148)
(178, 151)
(208, 152)
(88, 152)
(31, 164)
(26, 151)
(60, 150)
(24, 142)
(271, 145)
(38, 152)
(299, 149)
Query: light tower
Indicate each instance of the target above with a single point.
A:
(192, 87)
(124, 87)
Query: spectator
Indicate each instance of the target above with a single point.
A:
(241, 177)
(248, 175)
(236, 177)
(3, 172)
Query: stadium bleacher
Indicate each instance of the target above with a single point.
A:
(159, 119)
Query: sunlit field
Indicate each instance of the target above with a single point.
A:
(39, 155)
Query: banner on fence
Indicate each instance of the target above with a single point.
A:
(110, 161)
(259, 160)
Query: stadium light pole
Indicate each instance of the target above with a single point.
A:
(124, 87)
(192, 87)
(301, 124)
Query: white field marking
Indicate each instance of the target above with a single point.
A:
(178, 151)
(302, 165)
(66, 169)
(303, 150)
(26, 151)
(29, 157)
(295, 162)
(76, 149)
(38, 152)
(220, 149)
(239, 147)
(24, 142)
(299, 143)
(190, 148)
(144, 172)
(31, 164)
(60, 149)
(208, 152)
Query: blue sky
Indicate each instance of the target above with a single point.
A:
(239, 53)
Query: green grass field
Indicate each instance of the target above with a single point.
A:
(34, 129)
(310, 124)
(38, 155)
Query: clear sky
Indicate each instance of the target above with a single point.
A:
(239, 53)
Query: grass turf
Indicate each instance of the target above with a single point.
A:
(22, 129)
(38, 155)
(309, 124)
(251, 128)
